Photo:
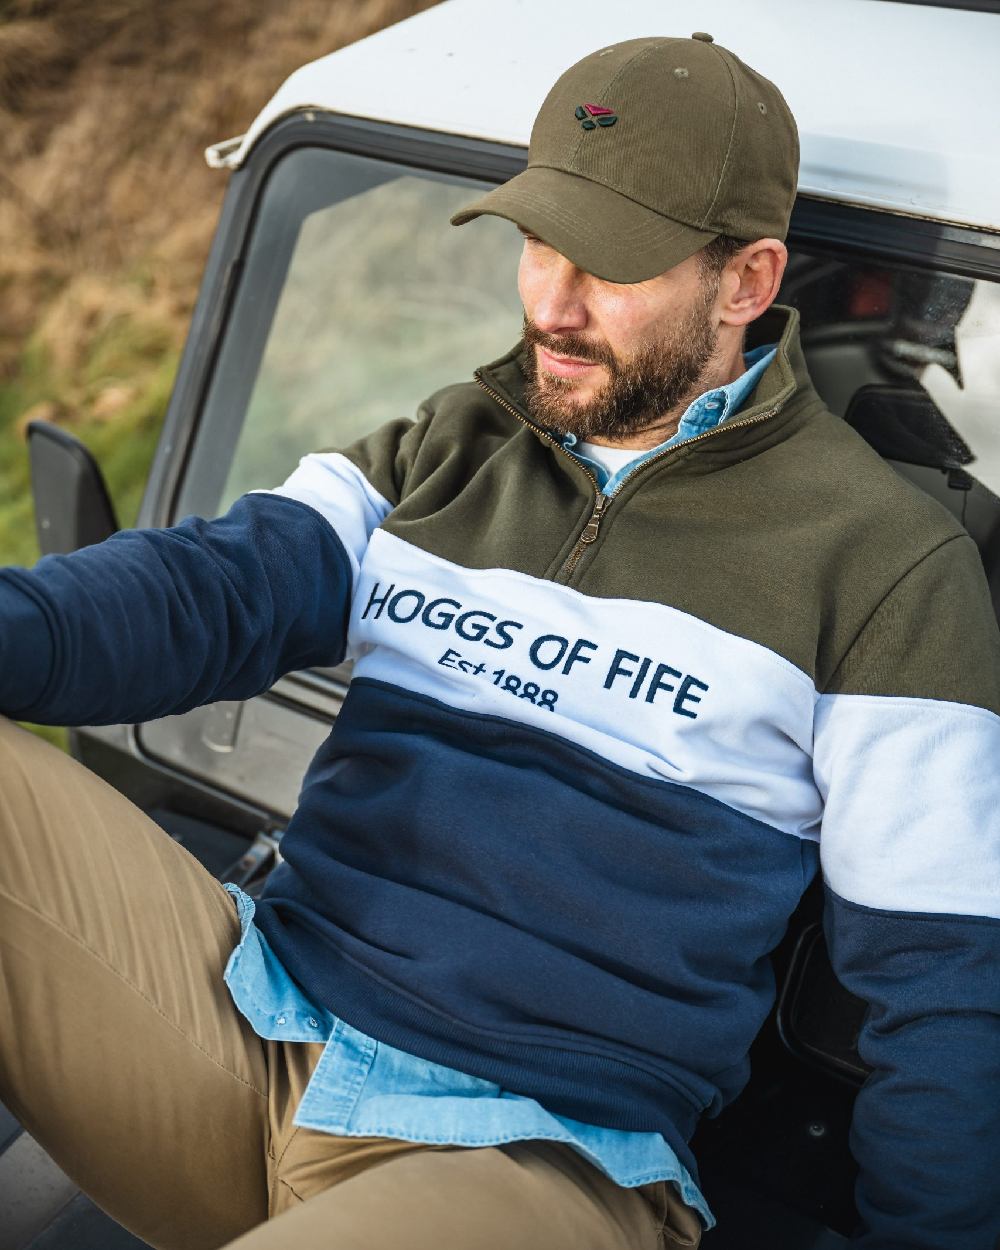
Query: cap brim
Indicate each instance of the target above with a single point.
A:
(601, 231)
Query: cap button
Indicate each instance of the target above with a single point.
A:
(700, 34)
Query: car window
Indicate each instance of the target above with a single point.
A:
(358, 299)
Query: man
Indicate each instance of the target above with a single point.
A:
(632, 618)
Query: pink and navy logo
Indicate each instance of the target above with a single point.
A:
(590, 116)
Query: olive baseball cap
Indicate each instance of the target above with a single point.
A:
(645, 151)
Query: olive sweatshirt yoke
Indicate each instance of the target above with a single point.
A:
(595, 749)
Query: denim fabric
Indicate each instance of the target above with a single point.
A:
(702, 415)
(364, 1088)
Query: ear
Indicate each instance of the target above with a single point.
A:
(750, 281)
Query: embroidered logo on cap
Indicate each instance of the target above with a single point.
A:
(590, 116)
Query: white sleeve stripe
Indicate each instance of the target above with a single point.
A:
(337, 489)
(904, 702)
(912, 803)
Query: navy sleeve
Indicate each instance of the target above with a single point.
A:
(926, 1126)
(906, 745)
(153, 622)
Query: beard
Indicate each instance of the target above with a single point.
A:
(657, 378)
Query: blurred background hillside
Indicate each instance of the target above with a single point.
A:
(107, 207)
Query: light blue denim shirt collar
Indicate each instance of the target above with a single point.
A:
(702, 414)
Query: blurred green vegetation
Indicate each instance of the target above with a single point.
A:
(123, 445)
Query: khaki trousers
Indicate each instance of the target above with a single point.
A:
(122, 1054)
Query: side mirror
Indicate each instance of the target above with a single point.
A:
(72, 506)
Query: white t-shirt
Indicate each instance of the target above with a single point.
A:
(611, 459)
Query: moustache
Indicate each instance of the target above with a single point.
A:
(573, 345)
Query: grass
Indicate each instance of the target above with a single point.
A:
(128, 369)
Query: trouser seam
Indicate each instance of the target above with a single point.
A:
(78, 941)
(291, 1189)
(280, 1180)
(284, 1149)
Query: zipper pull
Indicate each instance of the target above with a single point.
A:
(589, 534)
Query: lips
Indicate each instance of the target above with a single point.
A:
(563, 366)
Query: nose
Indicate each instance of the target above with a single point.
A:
(551, 289)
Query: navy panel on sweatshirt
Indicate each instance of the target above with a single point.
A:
(490, 896)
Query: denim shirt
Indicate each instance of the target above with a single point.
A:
(364, 1088)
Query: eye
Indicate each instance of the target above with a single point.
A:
(528, 236)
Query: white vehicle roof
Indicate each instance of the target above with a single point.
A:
(897, 104)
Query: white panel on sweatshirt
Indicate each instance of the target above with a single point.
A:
(642, 685)
(912, 791)
(336, 488)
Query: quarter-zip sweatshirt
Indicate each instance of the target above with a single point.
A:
(363, 1087)
(594, 751)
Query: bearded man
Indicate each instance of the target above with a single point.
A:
(642, 634)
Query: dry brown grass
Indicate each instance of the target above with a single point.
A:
(106, 206)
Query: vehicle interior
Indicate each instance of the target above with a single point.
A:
(337, 297)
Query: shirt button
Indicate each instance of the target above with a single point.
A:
(281, 1020)
(313, 1023)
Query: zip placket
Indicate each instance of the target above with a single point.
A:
(589, 535)
(603, 502)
